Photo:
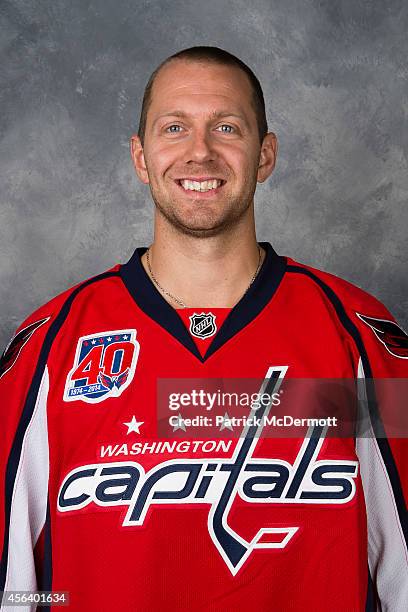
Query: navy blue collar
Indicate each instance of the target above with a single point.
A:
(151, 301)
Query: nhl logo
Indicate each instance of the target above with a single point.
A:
(202, 325)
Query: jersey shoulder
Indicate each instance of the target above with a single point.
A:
(25, 345)
(50, 309)
(360, 312)
(351, 296)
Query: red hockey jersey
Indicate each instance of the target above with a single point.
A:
(95, 501)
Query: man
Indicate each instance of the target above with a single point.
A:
(99, 500)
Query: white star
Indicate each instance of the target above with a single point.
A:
(109, 339)
(226, 424)
(180, 424)
(93, 341)
(125, 337)
(133, 425)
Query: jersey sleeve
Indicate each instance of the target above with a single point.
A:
(24, 466)
(382, 449)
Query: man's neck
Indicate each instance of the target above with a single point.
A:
(204, 273)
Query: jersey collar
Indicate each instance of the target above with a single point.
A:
(151, 301)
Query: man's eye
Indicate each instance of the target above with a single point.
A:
(225, 125)
(168, 129)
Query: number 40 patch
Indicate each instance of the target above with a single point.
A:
(104, 366)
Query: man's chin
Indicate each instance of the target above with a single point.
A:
(199, 229)
(202, 222)
(201, 226)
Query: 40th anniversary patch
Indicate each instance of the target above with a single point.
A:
(104, 366)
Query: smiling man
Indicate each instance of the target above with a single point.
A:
(123, 501)
(202, 147)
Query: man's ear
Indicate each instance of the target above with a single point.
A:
(136, 151)
(267, 159)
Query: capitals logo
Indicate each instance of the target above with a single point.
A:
(389, 333)
(16, 344)
(217, 482)
(104, 366)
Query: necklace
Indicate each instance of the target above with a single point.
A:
(176, 299)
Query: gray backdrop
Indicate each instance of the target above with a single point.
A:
(334, 74)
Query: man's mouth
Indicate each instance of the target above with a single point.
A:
(212, 185)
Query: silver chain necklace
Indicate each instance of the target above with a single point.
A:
(176, 299)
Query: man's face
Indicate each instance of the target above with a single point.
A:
(201, 127)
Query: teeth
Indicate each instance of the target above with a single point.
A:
(204, 186)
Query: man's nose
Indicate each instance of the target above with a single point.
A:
(200, 147)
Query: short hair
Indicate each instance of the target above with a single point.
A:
(211, 55)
